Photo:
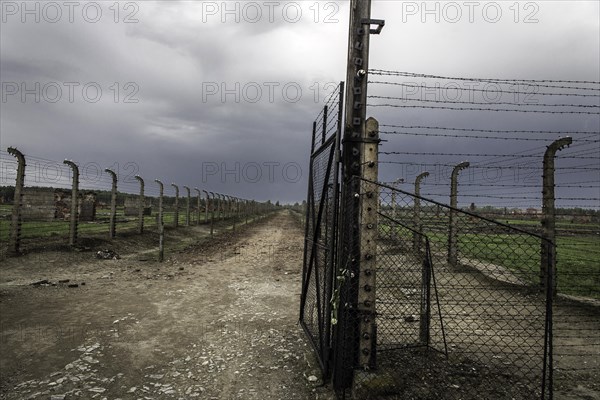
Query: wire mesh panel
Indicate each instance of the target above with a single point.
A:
(459, 312)
(321, 228)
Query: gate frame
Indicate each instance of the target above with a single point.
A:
(323, 347)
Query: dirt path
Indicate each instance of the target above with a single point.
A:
(218, 321)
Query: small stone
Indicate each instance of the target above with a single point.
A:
(410, 318)
(97, 390)
(312, 378)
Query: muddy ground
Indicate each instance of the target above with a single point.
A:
(216, 320)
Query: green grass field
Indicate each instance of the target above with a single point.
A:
(578, 256)
(42, 229)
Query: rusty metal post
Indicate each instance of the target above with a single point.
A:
(207, 203)
(141, 205)
(453, 222)
(548, 250)
(74, 203)
(16, 217)
(176, 218)
(113, 204)
(199, 204)
(417, 238)
(161, 226)
(187, 206)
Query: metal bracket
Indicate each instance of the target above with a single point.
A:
(361, 140)
(379, 22)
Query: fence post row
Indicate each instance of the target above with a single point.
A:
(548, 250)
(74, 203)
(16, 217)
(141, 205)
(453, 222)
(113, 204)
(161, 227)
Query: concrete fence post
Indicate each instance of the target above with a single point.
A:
(369, 232)
(221, 207)
(417, 238)
(176, 216)
(161, 226)
(212, 213)
(141, 205)
(233, 212)
(16, 217)
(453, 223)
(207, 204)
(113, 204)
(199, 204)
(187, 206)
(394, 233)
(548, 250)
(74, 202)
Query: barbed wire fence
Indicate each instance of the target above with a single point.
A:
(37, 210)
(504, 177)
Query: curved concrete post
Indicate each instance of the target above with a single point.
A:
(74, 202)
(453, 223)
(161, 226)
(548, 256)
(16, 217)
(113, 204)
(141, 205)
(417, 239)
(212, 213)
(207, 204)
(198, 210)
(187, 206)
(176, 217)
(219, 206)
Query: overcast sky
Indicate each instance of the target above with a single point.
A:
(222, 95)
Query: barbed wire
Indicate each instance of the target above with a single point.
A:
(508, 103)
(482, 109)
(538, 82)
(483, 90)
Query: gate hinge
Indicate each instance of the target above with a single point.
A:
(379, 22)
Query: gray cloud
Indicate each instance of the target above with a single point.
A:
(175, 53)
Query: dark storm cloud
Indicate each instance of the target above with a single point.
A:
(179, 86)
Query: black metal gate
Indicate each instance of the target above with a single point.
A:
(321, 228)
